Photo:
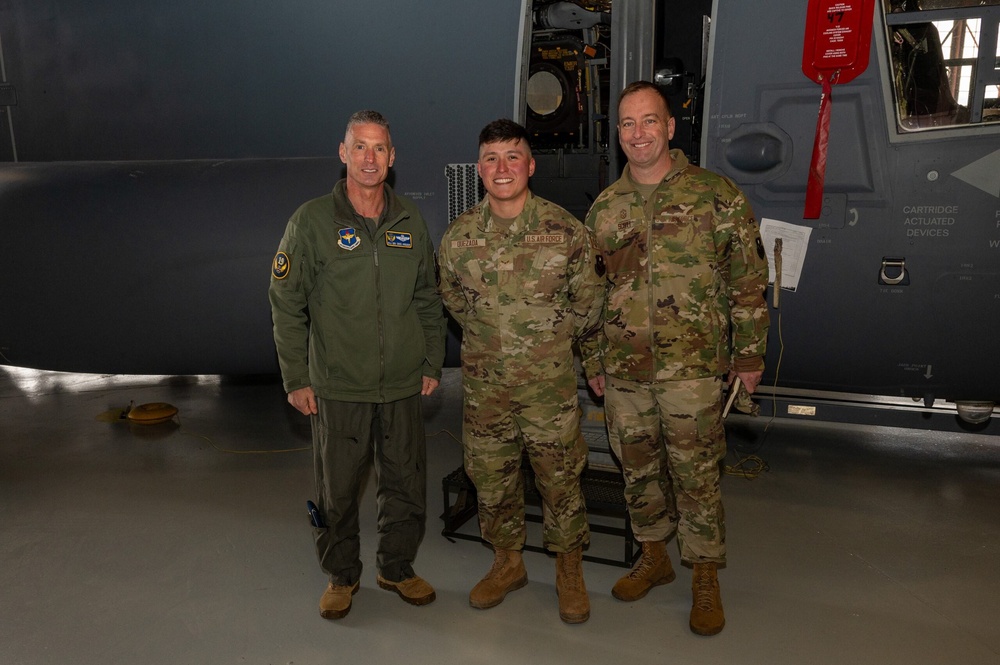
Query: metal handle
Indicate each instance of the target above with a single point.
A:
(893, 263)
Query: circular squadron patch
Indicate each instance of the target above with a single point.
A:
(280, 266)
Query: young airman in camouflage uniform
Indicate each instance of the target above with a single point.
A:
(684, 306)
(518, 274)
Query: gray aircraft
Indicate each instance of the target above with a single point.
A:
(151, 154)
(899, 292)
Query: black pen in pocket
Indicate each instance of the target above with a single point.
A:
(314, 517)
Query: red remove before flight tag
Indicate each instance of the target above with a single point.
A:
(837, 46)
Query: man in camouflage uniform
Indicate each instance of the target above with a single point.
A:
(684, 307)
(518, 274)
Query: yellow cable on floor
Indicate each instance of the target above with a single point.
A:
(749, 466)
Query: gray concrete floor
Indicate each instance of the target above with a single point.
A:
(187, 542)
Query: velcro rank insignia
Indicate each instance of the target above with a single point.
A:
(398, 239)
(280, 266)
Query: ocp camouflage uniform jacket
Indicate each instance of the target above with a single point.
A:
(522, 295)
(686, 275)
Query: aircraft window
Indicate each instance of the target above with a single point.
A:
(545, 93)
(945, 62)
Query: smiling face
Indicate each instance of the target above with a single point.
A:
(368, 153)
(505, 167)
(645, 128)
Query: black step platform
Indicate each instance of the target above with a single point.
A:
(603, 491)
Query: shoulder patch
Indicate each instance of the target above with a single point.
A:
(280, 266)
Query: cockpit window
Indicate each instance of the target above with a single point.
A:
(945, 62)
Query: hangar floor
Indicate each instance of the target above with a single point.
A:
(187, 542)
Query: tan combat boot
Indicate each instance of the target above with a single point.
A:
(574, 604)
(336, 600)
(707, 617)
(653, 569)
(414, 590)
(506, 575)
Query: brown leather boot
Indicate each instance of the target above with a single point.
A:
(506, 575)
(414, 590)
(336, 600)
(574, 604)
(707, 617)
(653, 569)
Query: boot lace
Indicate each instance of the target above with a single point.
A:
(705, 587)
(570, 571)
(642, 568)
(499, 561)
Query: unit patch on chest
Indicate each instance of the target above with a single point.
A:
(398, 239)
(348, 239)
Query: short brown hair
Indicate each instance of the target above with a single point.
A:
(636, 86)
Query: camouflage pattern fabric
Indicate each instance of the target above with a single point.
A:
(674, 487)
(500, 424)
(686, 274)
(523, 294)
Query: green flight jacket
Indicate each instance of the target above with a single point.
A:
(357, 317)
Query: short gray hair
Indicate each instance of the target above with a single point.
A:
(367, 117)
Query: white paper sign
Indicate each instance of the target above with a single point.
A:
(794, 243)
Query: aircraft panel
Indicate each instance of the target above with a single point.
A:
(158, 149)
(899, 293)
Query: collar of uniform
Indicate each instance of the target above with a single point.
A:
(524, 221)
(345, 215)
(679, 162)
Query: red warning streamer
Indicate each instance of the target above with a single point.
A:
(817, 167)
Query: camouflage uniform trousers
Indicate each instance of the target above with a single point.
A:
(543, 420)
(670, 438)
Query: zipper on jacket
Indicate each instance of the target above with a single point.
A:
(380, 323)
(378, 305)
(649, 291)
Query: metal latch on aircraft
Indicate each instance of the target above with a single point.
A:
(893, 272)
